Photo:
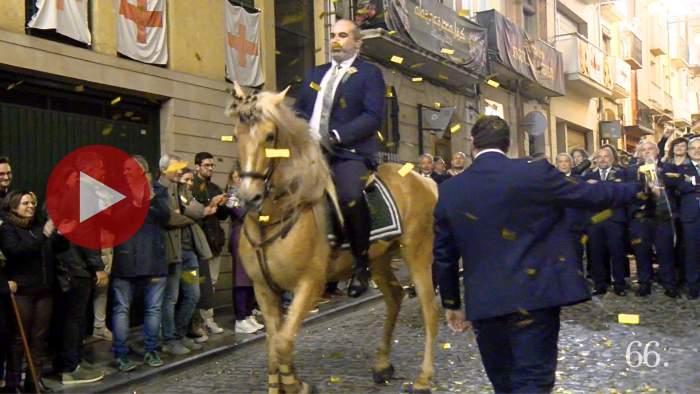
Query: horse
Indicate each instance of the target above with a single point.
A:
(284, 244)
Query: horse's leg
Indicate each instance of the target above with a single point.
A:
(418, 256)
(270, 306)
(393, 295)
(305, 296)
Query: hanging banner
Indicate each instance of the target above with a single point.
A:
(243, 55)
(141, 31)
(437, 28)
(68, 17)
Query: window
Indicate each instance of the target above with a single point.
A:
(568, 22)
(31, 9)
(294, 41)
(607, 44)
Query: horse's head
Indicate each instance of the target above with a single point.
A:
(255, 133)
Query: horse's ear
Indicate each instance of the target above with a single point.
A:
(279, 97)
(238, 91)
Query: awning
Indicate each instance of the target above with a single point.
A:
(638, 130)
(412, 60)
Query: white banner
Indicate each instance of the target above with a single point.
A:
(243, 57)
(141, 31)
(68, 17)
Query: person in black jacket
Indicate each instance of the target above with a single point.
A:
(28, 247)
(84, 268)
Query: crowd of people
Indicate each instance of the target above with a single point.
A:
(172, 263)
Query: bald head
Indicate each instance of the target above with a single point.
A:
(346, 40)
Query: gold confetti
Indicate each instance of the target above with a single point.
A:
(524, 323)
(608, 343)
(562, 258)
(389, 92)
(471, 216)
(342, 102)
(107, 130)
(531, 271)
(128, 114)
(352, 204)
(264, 218)
(335, 379)
(381, 137)
(189, 277)
(442, 77)
(273, 153)
(226, 138)
(116, 101)
(408, 167)
(176, 166)
(584, 239)
(624, 318)
(636, 241)
(446, 346)
(464, 13)
(79, 88)
(523, 311)
(391, 32)
(455, 128)
(509, 235)
(447, 51)
(396, 59)
(642, 196)
(198, 56)
(417, 79)
(416, 65)
(278, 53)
(673, 175)
(437, 104)
(601, 216)
(315, 86)
(14, 85)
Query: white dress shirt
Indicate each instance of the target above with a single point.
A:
(315, 121)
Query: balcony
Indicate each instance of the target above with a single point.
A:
(658, 44)
(584, 65)
(678, 44)
(613, 11)
(641, 123)
(681, 113)
(656, 98)
(668, 104)
(622, 77)
(631, 49)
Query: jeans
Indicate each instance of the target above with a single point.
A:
(35, 311)
(74, 321)
(181, 276)
(123, 292)
(519, 351)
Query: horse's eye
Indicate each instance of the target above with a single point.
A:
(270, 137)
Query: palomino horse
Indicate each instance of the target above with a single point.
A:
(284, 245)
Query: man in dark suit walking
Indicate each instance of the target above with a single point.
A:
(606, 232)
(689, 189)
(519, 263)
(344, 103)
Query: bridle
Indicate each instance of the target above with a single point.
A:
(267, 175)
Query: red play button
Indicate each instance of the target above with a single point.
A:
(98, 196)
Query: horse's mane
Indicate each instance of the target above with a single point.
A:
(305, 176)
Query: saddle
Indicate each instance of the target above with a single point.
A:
(385, 219)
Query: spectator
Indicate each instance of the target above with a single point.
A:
(427, 168)
(564, 163)
(141, 261)
(99, 299)
(581, 161)
(28, 247)
(243, 295)
(183, 267)
(82, 267)
(208, 193)
(678, 152)
(5, 176)
(459, 160)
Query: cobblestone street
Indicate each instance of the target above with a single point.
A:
(597, 354)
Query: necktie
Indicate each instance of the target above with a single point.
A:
(327, 103)
(604, 175)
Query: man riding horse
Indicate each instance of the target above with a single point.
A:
(344, 104)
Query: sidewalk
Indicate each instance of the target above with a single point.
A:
(97, 353)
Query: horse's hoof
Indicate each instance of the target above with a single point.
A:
(383, 376)
(409, 388)
(308, 388)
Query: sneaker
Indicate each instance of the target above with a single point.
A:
(198, 338)
(255, 323)
(102, 333)
(80, 376)
(190, 344)
(124, 364)
(175, 348)
(244, 327)
(213, 327)
(152, 359)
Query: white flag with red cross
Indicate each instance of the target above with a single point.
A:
(243, 58)
(68, 17)
(141, 31)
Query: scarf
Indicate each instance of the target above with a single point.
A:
(24, 223)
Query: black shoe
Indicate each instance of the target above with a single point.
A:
(644, 290)
(601, 291)
(671, 293)
(693, 294)
(359, 282)
(29, 387)
(620, 291)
